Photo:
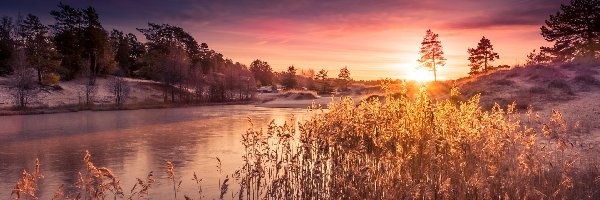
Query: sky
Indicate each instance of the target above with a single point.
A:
(374, 39)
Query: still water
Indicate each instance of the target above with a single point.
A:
(131, 144)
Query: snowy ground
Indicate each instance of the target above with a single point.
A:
(72, 93)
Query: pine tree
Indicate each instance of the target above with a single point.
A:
(575, 31)
(432, 54)
(289, 78)
(262, 72)
(344, 78)
(481, 56)
(39, 50)
(7, 45)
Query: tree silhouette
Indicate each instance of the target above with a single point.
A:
(68, 38)
(322, 77)
(262, 72)
(344, 78)
(7, 47)
(289, 78)
(39, 50)
(432, 54)
(575, 31)
(482, 56)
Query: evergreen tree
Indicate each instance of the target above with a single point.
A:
(344, 78)
(121, 50)
(289, 78)
(7, 45)
(575, 31)
(39, 50)
(432, 54)
(262, 72)
(323, 79)
(68, 39)
(481, 56)
(96, 46)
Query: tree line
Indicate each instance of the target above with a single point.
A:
(76, 45)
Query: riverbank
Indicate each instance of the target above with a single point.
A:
(105, 107)
(70, 96)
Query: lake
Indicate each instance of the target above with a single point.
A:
(132, 143)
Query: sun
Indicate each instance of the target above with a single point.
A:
(419, 74)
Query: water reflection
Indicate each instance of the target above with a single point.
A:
(131, 143)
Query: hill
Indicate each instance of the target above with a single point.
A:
(572, 89)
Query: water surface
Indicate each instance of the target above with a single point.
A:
(132, 143)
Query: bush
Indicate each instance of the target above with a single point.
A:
(51, 79)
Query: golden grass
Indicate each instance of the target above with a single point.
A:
(410, 147)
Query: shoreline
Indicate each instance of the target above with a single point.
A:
(111, 107)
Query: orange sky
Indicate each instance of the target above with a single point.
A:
(374, 39)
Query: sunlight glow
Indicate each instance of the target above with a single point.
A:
(419, 74)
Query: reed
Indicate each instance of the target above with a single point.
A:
(410, 147)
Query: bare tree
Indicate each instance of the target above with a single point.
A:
(119, 88)
(22, 82)
(89, 92)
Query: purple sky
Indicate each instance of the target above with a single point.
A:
(374, 39)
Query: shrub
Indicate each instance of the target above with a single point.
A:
(51, 79)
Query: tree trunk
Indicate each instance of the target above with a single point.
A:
(39, 72)
(434, 68)
(485, 62)
(93, 67)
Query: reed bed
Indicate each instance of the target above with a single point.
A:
(406, 148)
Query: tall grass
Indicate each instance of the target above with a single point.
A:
(416, 148)
(410, 147)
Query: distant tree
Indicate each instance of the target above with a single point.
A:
(22, 82)
(540, 57)
(575, 31)
(323, 80)
(163, 37)
(68, 39)
(262, 72)
(136, 51)
(119, 88)
(322, 75)
(7, 45)
(39, 49)
(96, 46)
(306, 79)
(481, 56)
(171, 58)
(121, 50)
(344, 78)
(432, 54)
(289, 78)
